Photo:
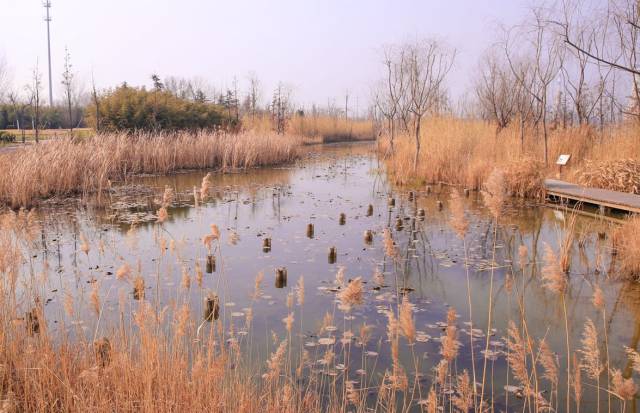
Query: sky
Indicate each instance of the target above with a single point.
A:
(320, 48)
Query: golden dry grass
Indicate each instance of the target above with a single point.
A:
(627, 244)
(318, 129)
(464, 152)
(68, 167)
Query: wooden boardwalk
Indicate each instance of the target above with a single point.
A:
(594, 196)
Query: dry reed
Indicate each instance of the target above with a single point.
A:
(69, 167)
(465, 151)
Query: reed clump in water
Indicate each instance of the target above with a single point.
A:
(68, 167)
(627, 245)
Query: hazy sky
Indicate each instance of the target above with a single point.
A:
(320, 48)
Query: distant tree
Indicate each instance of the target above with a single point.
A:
(392, 90)
(4, 78)
(96, 103)
(427, 64)
(254, 95)
(157, 83)
(535, 37)
(280, 109)
(68, 83)
(494, 89)
(19, 108)
(34, 89)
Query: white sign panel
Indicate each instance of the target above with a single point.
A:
(563, 159)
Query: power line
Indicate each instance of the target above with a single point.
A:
(47, 6)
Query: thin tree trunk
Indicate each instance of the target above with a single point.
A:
(544, 132)
(415, 160)
(521, 133)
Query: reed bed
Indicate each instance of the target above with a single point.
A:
(621, 175)
(318, 128)
(464, 152)
(67, 167)
(627, 246)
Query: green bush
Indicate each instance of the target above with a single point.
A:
(129, 108)
(6, 137)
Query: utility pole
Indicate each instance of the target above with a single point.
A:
(47, 6)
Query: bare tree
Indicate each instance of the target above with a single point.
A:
(495, 93)
(4, 77)
(34, 89)
(583, 81)
(427, 64)
(392, 91)
(19, 108)
(280, 108)
(614, 42)
(96, 101)
(68, 83)
(254, 94)
(545, 47)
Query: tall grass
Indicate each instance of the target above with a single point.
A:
(67, 167)
(464, 152)
(318, 128)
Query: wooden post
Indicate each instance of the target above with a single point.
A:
(266, 245)
(368, 237)
(211, 264)
(211, 308)
(399, 224)
(333, 255)
(281, 277)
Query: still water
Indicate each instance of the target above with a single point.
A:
(280, 203)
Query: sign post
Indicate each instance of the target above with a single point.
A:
(562, 161)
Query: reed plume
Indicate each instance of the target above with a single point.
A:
(494, 193)
(458, 220)
(205, 186)
(288, 322)
(517, 357)
(625, 389)
(352, 294)
(95, 297)
(450, 343)
(389, 245)
(598, 298)
(463, 399)
(634, 358)
(576, 380)
(405, 320)
(590, 351)
(548, 361)
(84, 244)
(123, 272)
(300, 291)
(162, 215)
(553, 277)
(274, 363)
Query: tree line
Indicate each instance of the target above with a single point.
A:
(171, 103)
(568, 63)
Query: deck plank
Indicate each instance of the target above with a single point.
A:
(601, 197)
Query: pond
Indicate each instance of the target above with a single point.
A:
(88, 258)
